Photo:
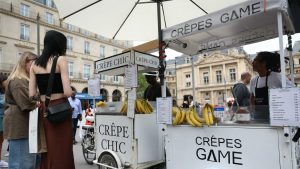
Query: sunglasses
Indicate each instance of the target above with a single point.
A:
(28, 60)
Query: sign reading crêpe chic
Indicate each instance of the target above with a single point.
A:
(112, 62)
(124, 59)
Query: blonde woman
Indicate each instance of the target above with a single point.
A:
(59, 153)
(16, 116)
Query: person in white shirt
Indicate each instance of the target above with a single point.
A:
(76, 114)
(190, 101)
(265, 64)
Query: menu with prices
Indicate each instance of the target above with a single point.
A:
(164, 110)
(131, 76)
(285, 107)
(131, 103)
(94, 87)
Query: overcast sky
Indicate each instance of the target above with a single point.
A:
(269, 45)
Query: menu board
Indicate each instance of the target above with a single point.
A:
(284, 106)
(94, 87)
(131, 103)
(164, 110)
(131, 76)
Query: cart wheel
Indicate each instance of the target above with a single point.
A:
(88, 145)
(108, 159)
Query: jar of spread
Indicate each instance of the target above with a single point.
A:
(243, 115)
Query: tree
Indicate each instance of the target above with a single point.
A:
(142, 85)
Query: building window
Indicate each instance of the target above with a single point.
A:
(205, 78)
(70, 27)
(232, 75)
(188, 84)
(87, 47)
(24, 10)
(116, 78)
(49, 3)
(299, 60)
(115, 51)
(102, 77)
(206, 97)
(187, 76)
(126, 44)
(24, 32)
(71, 69)
(102, 51)
(86, 71)
(188, 60)
(70, 43)
(85, 32)
(49, 18)
(219, 76)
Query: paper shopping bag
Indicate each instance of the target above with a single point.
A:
(33, 131)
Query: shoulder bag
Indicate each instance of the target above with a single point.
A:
(56, 112)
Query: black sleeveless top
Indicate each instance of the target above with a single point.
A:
(42, 83)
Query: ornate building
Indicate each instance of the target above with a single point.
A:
(22, 21)
(296, 56)
(214, 75)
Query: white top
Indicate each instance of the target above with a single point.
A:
(274, 81)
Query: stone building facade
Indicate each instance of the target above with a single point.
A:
(19, 31)
(214, 75)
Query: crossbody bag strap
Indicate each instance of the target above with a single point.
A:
(50, 82)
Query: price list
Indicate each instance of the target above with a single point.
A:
(130, 76)
(285, 107)
(164, 110)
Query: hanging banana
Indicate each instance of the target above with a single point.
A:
(177, 115)
(194, 120)
(183, 114)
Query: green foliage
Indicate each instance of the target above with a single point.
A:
(142, 85)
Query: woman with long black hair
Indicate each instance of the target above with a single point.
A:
(59, 147)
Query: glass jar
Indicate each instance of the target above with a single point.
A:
(243, 115)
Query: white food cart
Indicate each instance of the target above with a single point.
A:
(234, 146)
(133, 140)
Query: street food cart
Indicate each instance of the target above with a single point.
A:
(127, 140)
(231, 145)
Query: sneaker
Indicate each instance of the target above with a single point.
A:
(3, 164)
(6, 155)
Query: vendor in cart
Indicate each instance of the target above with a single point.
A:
(267, 66)
(154, 88)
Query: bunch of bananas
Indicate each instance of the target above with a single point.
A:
(208, 114)
(100, 104)
(141, 107)
(193, 118)
(124, 107)
(178, 115)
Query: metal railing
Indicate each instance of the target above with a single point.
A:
(81, 76)
(6, 67)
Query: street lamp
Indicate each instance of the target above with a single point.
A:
(193, 80)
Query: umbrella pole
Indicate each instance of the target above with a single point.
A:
(162, 65)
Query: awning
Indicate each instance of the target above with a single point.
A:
(242, 24)
(85, 96)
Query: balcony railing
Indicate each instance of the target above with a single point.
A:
(108, 79)
(6, 67)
